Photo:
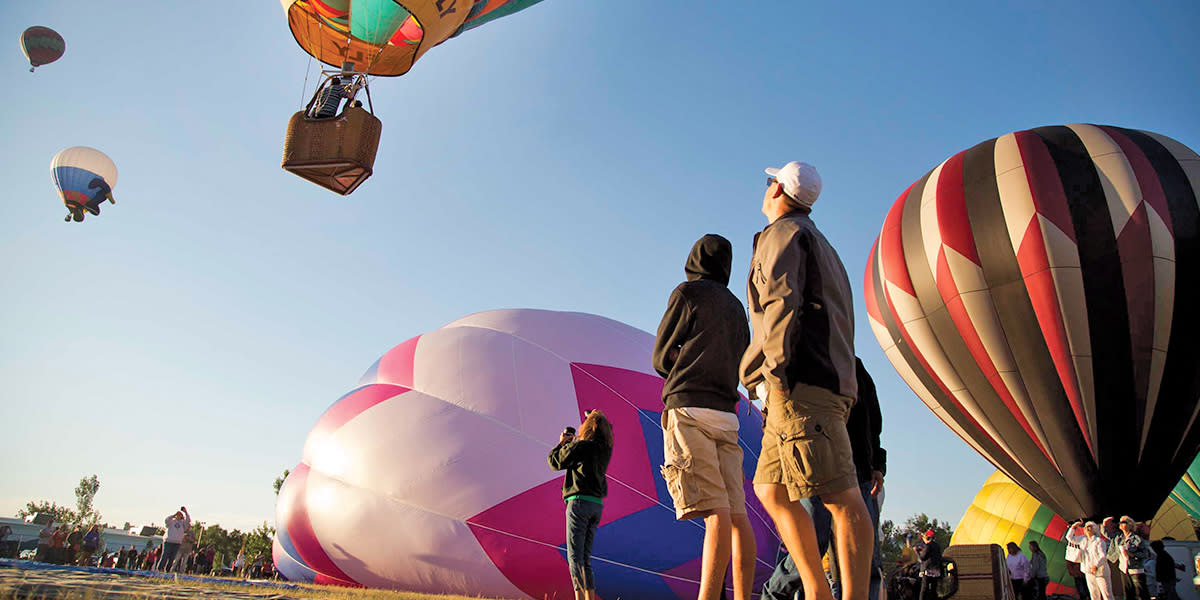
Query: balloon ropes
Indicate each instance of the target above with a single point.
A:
(41, 46)
(1038, 293)
(84, 178)
(335, 147)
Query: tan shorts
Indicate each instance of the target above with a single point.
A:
(703, 467)
(805, 444)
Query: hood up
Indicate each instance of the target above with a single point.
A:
(711, 258)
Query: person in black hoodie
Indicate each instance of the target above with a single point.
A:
(585, 459)
(700, 342)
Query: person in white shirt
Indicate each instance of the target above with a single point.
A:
(1093, 559)
(1020, 571)
(177, 525)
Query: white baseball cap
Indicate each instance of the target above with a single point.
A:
(800, 182)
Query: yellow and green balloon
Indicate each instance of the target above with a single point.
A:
(1002, 512)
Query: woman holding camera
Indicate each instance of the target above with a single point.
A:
(585, 458)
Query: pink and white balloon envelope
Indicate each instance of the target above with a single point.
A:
(431, 475)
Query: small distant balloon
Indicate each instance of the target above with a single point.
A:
(42, 46)
(85, 178)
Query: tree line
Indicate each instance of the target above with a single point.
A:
(226, 543)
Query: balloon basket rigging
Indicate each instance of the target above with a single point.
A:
(335, 152)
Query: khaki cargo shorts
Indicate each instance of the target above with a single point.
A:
(703, 467)
(805, 445)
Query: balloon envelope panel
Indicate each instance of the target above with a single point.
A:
(1187, 491)
(1036, 292)
(431, 475)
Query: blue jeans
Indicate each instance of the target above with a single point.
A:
(168, 554)
(785, 583)
(583, 517)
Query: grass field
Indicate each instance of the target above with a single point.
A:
(21, 584)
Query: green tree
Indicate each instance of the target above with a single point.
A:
(85, 494)
(258, 542)
(279, 481)
(894, 537)
(62, 514)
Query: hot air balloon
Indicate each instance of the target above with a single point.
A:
(1187, 491)
(431, 476)
(84, 177)
(41, 46)
(1002, 512)
(1038, 292)
(361, 38)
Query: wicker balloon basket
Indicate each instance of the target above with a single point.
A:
(336, 153)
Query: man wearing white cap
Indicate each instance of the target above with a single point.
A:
(801, 364)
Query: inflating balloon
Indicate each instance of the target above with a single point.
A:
(85, 178)
(431, 475)
(1038, 292)
(336, 149)
(1002, 512)
(41, 46)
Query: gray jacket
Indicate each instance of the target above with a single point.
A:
(801, 309)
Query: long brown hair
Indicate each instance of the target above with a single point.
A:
(597, 426)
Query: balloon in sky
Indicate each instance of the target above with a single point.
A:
(365, 37)
(1038, 292)
(41, 46)
(84, 177)
(431, 475)
(1002, 512)
(385, 37)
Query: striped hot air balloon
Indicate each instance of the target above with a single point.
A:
(41, 46)
(84, 177)
(1038, 292)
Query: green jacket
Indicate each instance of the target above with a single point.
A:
(586, 463)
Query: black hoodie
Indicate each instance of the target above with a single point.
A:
(704, 332)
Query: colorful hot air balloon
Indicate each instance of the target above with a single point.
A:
(364, 37)
(1038, 292)
(1002, 512)
(385, 37)
(84, 178)
(1187, 491)
(431, 476)
(41, 46)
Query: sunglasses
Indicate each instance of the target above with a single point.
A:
(770, 180)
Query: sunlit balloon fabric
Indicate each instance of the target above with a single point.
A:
(81, 174)
(1038, 292)
(431, 476)
(385, 37)
(1187, 491)
(41, 46)
(1002, 512)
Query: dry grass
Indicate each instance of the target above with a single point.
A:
(16, 584)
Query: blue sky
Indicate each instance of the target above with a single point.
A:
(182, 345)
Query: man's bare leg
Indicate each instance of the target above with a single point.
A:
(796, 528)
(855, 537)
(715, 557)
(744, 556)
